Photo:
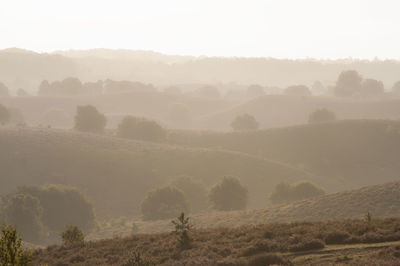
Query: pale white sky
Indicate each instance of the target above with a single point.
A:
(262, 28)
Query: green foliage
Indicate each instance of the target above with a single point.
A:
(25, 213)
(182, 231)
(244, 122)
(72, 236)
(62, 205)
(164, 203)
(368, 218)
(4, 115)
(285, 193)
(195, 192)
(321, 116)
(88, 119)
(136, 259)
(140, 128)
(11, 251)
(229, 195)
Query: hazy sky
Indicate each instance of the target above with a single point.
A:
(279, 28)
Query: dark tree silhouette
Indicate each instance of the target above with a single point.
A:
(321, 115)
(229, 195)
(140, 128)
(244, 122)
(347, 84)
(163, 203)
(88, 119)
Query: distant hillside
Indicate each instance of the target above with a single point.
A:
(282, 110)
(353, 152)
(27, 69)
(116, 173)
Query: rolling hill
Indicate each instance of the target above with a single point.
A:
(382, 201)
(273, 111)
(117, 173)
(354, 153)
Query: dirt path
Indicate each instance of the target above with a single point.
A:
(337, 254)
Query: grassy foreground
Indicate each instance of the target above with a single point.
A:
(283, 243)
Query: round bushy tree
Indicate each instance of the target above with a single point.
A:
(164, 203)
(25, 213)
(140, 128)
(348, 83)
(4, 115)
(321, 116)
(194, 191)
(88, 119)
(229, 195)
(62, 205)
(244, 122)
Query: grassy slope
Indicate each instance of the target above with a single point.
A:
(117, 173)
(236, 246)
(380, 200)
(353, 153)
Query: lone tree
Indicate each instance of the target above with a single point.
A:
(88, 119)
(72, 236)
(163, 203)
(347, 84)
(4, 115)
(11, 250)
(140, 128)
(229, 195)
(321, 116)
(244, 122)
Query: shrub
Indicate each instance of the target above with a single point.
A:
(88, 119)
(136, 259)
(194, 191)
(62, 205)
(25, 213)
(4, 115)
(336, 237)
(285, 192)
(182, 231)
(228, 195)
(307, 244)
(297, 90)
(321, 116)
(11, 251)
(164, 203)
(140, 128)
(244, 122)
(268, 259)
(72, 236)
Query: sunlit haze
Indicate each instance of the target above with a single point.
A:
(281, 29)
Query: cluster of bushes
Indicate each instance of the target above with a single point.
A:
(351, 84)
(285, 193)
(184, 194)
(89, 119)
(42, 212)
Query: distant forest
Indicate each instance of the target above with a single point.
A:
(26, 69)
